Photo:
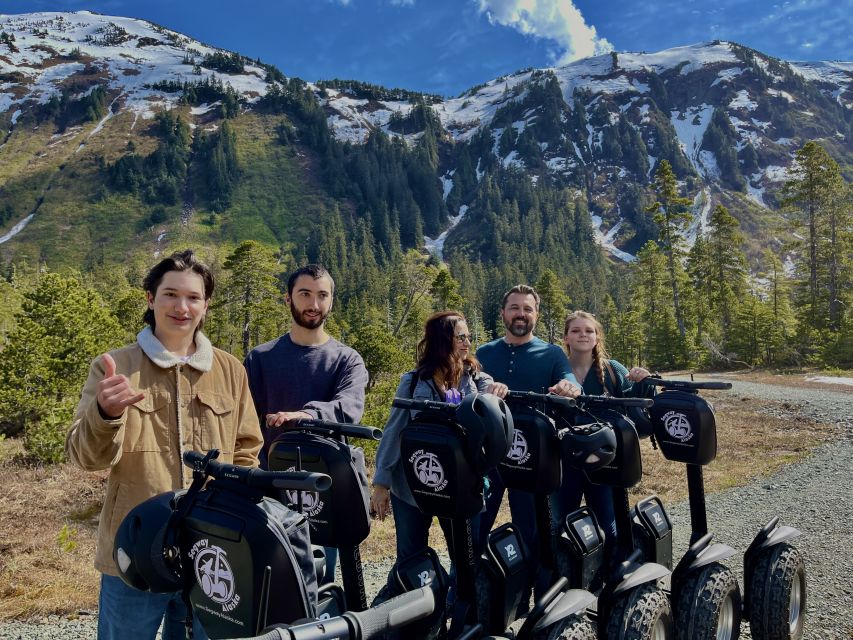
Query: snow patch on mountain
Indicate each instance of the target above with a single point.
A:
(606, 240)
(690, 128)
(436, 246)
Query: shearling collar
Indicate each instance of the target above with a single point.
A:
(202, 359)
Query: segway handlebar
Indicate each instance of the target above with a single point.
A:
(686, 385)
(573, 403)
(338, 429)
(361, 625)
(424, 405)
(206, 465)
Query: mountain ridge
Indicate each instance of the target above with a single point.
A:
(596, 126)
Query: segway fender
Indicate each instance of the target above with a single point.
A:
(700, 554)
(648, 572)
(770, 535)
(570, 603)
(779, 535)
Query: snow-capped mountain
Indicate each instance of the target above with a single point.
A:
(726, 117)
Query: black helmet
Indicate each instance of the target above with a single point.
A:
(140, 547)
(588, 446)
(488, 428)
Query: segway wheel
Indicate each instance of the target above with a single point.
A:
(643, 613)
(777, 594)
(708, 605)
(573, 628)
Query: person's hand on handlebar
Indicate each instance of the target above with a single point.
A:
(566, 389)
(636, 374)
(380, 501)
(498, 388)
(282, 417)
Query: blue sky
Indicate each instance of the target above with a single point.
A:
(447, 46)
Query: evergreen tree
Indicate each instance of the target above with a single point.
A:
(671, 215)
(61, 327)
(249, 304)
(815, 188)
(445, 291)
(553, 306)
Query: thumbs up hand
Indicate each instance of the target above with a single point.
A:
(114, 391)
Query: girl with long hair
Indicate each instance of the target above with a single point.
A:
(446, 371)
(583, 336)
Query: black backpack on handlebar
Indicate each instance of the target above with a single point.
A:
(339, 516)
(250, 559)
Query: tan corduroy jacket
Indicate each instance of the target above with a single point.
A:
(200, 404)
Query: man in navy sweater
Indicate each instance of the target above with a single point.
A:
(522, 362)
(306, 374)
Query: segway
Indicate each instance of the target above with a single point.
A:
(631, 601)
(447, 450)
(241, 559)
(339, 516)
(706, 596)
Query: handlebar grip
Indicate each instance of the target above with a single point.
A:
(688, 384)
(259, 478)
(619, 402)
(408, 403)
(340, 428)
(394, 613)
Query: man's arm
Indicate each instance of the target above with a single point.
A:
(347, 405)
(94, 441)
(563, 381)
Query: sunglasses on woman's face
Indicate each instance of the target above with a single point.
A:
(462, 337)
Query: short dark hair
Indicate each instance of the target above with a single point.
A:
(316, 271)
(523, 289)
(178, 261)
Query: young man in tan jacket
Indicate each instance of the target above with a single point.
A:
(142, 406)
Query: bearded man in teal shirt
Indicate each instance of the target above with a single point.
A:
(522, 362)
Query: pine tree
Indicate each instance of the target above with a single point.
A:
(250, 301)
(671, 215)
(61, 327)
(553, 305)
(812, 192)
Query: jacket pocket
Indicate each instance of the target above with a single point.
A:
(147, 426)
(218, 430)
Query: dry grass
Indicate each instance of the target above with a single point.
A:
(43, 572)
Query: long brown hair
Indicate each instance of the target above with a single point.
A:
(436, 349)
(600, 355)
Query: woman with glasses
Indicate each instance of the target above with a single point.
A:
(446, 371)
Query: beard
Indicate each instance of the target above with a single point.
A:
(519, 327)
(300, 318)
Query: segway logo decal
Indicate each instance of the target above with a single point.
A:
(518, 452)
(214, 574)
(588, 533)
(428, 470)
(311, 503)
(677, 425)
(511, 553)
(424, 577)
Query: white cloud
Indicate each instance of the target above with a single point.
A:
(557, 20)
(403, 3)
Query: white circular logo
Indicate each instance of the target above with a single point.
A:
(518, 449)
(213, 573)
(678, 426)
(429, 470)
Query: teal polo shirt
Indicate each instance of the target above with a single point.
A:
(532, 366)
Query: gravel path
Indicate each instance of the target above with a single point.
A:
(815, 496)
